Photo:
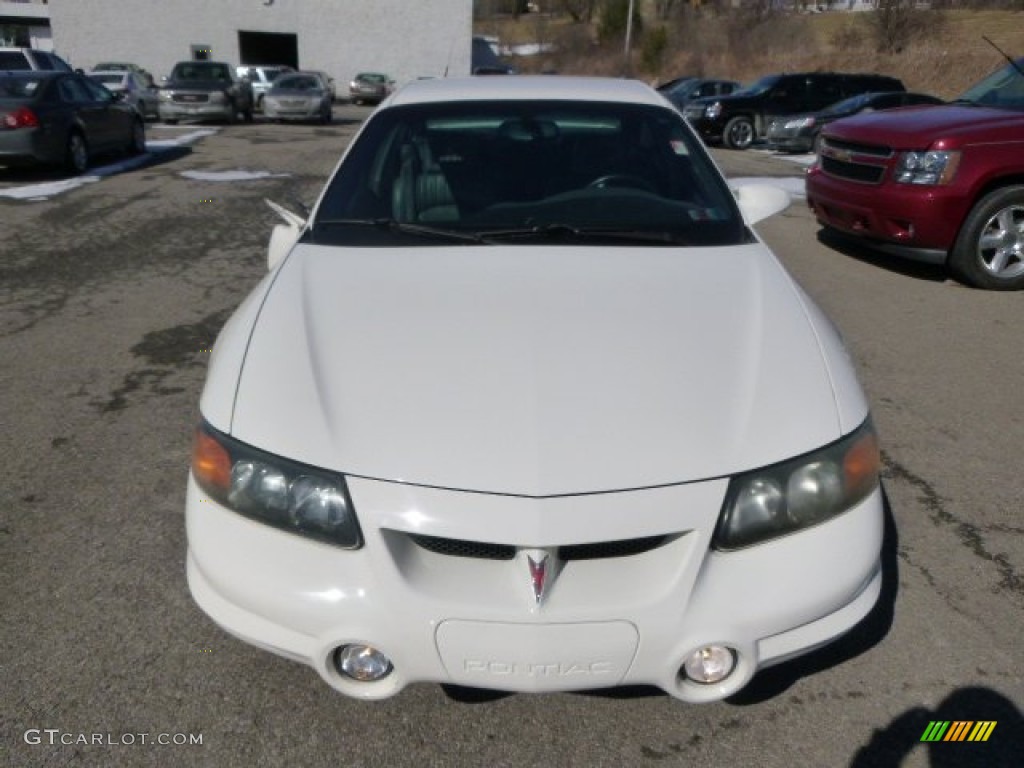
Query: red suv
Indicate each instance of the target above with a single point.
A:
(941, 184)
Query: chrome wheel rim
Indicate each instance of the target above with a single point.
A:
(1001, 244)
(742, 134)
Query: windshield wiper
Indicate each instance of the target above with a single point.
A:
(405, 227)
(558, 232)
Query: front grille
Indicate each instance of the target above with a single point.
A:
(843, 169)
(863, 163)
(604, 549)
(489, 551)
(459, 548)
(854, 148)
(191, 98)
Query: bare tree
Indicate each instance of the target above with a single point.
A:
(894, 23)
(579, 10)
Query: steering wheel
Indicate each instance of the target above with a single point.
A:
(622, 180)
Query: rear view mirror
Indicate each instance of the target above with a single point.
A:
(283, 236)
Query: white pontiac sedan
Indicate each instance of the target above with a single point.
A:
(527, 405)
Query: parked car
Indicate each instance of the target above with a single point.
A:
(943, 184)
(298, 96)
(16, 59)
(205, 90)
(123, 66)
(683, 90)
(685, 488)
(741, 118)
(261, 77)
(799, 133)
(485, 59)
(133, 89)
(63, 118)
(370, 88)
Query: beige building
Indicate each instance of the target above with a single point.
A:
(405, 40)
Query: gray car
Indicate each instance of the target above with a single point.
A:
(261, 77)
(133, 88)
(63, 118)
(298, 96)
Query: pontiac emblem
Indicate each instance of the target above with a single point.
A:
(538, 574)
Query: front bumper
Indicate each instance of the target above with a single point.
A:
(605, 621)
(789, 141)
(284, 111)
(709, 130)
(918, 222)
(170, 110)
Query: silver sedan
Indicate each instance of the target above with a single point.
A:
(298, 96)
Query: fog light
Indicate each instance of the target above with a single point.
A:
(362, 663)
(710, 664)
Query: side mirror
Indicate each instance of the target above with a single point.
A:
(759, 201)
(284, 236)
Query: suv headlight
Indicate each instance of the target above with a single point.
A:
(165, 95)
(799, 493)
(930, 168)
(273, 490)
(713, 111)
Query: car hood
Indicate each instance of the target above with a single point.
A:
(535, 371)
(915, 128)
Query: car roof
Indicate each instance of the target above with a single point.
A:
(526, 88)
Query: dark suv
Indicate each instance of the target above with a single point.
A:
(741, 118)
(199, 90)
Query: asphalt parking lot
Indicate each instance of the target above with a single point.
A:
(112, 290)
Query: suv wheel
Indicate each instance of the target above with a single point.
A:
(989, 252)
(739, 133)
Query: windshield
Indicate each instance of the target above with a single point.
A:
(851, 104)
(19, 87)
(108, 79)
(529, 170)
(1003, 89)
(201, 70)
(296, 83)
(758, 86)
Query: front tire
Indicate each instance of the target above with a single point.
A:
(76, 155)
(137, 144)
(739, 133)
(989, 252)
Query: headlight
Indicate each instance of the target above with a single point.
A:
(797, 494)
(930, 168)
(273, 490)
(714, 110)
(165, 95)
(803, 122)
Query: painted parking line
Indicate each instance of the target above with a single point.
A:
(48, 189)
